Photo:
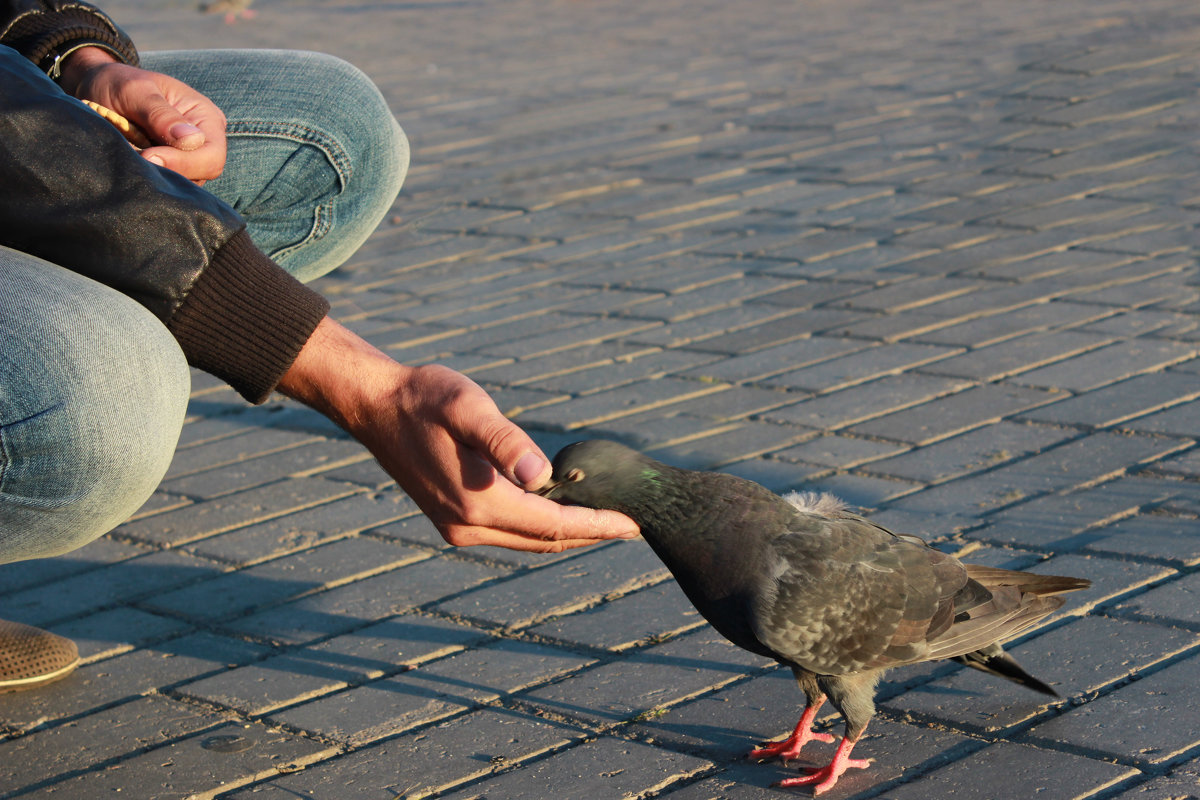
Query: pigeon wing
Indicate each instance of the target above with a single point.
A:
(840, 594)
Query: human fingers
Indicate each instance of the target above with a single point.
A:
(198, 166)
(505, 510)
(476, 422)
(470, 536)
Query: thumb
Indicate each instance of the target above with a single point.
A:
(164, 123)
(510, 450)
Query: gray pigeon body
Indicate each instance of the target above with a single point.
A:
(831, 595)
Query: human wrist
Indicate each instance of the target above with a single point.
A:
(345, 378)
(76, 65)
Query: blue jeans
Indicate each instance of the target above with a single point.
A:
(93, 388)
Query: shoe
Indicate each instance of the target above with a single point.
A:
(31, 657)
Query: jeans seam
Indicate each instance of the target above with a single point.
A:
(323, 214)
(305, 135)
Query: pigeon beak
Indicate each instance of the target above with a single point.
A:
(547, 489)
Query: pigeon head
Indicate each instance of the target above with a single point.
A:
(603, 474)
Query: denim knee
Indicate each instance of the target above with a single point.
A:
(315, 157)
(89, 424)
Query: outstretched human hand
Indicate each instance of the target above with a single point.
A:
(187, 127)
(440, 435)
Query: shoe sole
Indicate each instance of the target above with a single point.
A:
(18, 684)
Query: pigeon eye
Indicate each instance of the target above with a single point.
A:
(574, 475)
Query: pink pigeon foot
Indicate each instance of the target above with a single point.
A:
(802, 735)
(824, 778)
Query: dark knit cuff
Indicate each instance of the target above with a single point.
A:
(246, 319)
(46, 38)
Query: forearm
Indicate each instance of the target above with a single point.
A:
(341, 375)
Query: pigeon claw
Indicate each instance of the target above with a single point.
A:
(790, 747)
(824, 778)
(802, 735)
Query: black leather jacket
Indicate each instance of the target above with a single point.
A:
(74, 193)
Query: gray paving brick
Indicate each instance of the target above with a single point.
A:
(231, 449)
(777, 359)
(911, 294)
(862, 366)
(248, 472)
(100, 589)
(1128, 723)
(741, 780)
(196, 521)
(1154, 536)
(344, 608)
(975, 451)
(647, 680)
(659, 427)
(735, 403)
(248, 752)
(305, 529)
(1074, 211)
(118, 630)
(638, 618)
(1049, 264)
(1111, 579)
(864, 401)
(20, 575)
(610, 404)
(605, 767)
(273, 582)
(52, 755)
(956, 413)
(729, 444)
(1187, 464)
(1068, 465)
(1178, 420)
(1024, 770)
(301, 675)
(1172, 603)
(606, 376)
(705, 326)
(560, 587)
(471, 747)
(892, 327)
(389, 706)
(1135, 293)
(1120, 401)
(1119, 360)
(833, 450)
(1022, 354)
(792, 327)
(1059, 521)
(1177, 784)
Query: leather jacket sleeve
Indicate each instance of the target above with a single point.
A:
(45, 31)
(76, 194)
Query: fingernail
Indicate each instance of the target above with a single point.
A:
(529, 467)
(155, 160)
(181, 130)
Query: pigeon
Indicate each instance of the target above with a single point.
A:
(803, 581)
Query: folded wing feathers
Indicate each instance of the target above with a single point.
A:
(1025, 582)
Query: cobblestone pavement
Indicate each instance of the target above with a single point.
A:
(938, 257)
